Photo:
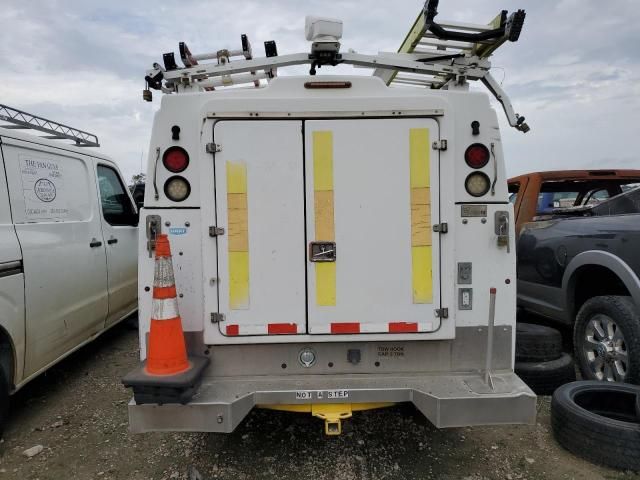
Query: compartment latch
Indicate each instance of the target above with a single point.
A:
(501, 218)
(153, 227)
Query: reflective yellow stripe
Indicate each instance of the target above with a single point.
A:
(419, 155)
(326, 284)
(238, 235)
(236, 177)
(421, 262)
(422, 283)
(324, 213)
(322, 161)
(238, 280)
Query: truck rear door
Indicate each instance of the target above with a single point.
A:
(328, 227)
(259, 182)
(371, 199)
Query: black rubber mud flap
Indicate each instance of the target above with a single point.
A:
(598, 422)
(161, 389)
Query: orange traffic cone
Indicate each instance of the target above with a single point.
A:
(167, 353)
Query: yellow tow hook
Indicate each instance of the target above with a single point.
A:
(332, 414)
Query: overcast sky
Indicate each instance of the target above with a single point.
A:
(574, 74)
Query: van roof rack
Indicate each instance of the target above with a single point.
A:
(20, 120)
(434, 55)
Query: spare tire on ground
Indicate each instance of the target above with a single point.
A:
(536, 343)
(598, 422)
(544, 377)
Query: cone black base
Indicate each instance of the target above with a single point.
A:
(161, 389)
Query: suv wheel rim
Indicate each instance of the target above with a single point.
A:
(605, 349)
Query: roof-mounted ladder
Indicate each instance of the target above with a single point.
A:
(451, 43)
(434, 55)
(57, 131)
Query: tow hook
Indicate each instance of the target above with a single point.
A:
(332, 414)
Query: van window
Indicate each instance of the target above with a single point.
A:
(116, 206)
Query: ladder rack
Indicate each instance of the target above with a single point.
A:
(20, 120)
(447, 41)
(434, 55)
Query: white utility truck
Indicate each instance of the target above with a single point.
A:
(68, 234)
(339, 242)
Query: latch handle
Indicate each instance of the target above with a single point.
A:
(322, 251)
(501, 218)
(153, 229)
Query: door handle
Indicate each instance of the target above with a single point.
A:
(95, 243)
(322, 252)
(111, 241)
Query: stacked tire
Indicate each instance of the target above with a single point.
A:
(540, 361)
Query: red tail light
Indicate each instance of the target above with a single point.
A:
(175, 159)
(477, 155)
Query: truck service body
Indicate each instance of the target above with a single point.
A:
(330, 254)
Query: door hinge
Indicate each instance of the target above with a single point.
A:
(217, 317)
(440, 145)
(441, 227)
(215, 231)
(213, 147)
(442, 312)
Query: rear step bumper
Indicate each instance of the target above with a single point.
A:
(446, 400)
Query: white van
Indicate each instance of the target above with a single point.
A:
(338, 244)
(68, 266)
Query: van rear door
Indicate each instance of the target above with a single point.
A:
(372, 197)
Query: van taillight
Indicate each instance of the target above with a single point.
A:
(476, 155)
(175, 159)
(477, 184)
(177, 188)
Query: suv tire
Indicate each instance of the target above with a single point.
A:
(614, 356)
(597, 421)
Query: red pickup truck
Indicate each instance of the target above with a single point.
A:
(535, 195)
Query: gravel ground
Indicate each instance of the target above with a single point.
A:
(77, 412)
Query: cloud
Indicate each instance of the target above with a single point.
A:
(575, 73)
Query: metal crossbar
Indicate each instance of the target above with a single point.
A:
(57, 131)
(433, 55)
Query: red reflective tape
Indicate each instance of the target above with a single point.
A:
(345, 328)
(282, 328)
(492, 290)
(402, 327)
(233, 330)
(161, 293)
